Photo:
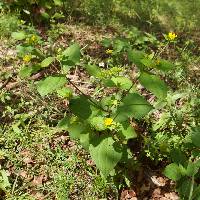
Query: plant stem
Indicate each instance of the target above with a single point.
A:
(88, 97)
(158, 53)
(191, 188)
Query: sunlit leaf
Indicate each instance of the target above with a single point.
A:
(18, 35)
(47, 61)
(173, 172)
(80, 106)
(73, 54)
(154, 84)
(133, 105)
(50, 84)
(105, 154)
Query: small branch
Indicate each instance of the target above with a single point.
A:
(88, 97)
(6, 83)
(14, 185)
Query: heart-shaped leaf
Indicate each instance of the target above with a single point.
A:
(154, 84)
(80, 106)
(47, 61)
(133, 105)
(50, 84)
(105, 154)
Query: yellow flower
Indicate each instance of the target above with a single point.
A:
(157, 61)
(33, 39)
(27, 58)
(109, 51)
(108, 121)
(171, 36)
(22, 22)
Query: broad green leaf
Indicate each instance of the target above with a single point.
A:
(164, 65)
(122, 82)
(154, 85)
(93, 70)
(85, 139)
(80, 106)
(192, 168)
(50, 84)
(196, 136)
(28, 71)
(65, 92)
(64, 123)
(106, 42)
(58, 2)
(45, 15)
(133, 105)
(98, 123)
(127, 131)
(173, 172)
(47, 61)
(105, 154)
(18, 35)
(148, 62)
(38, 53)
(119, 44)
(76, 129)
(135, 57)
(72, 53)
(178, 157)
(4, 182)
(24, 50)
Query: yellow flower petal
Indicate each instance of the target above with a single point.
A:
(171, 36)
(109, 51)
(108, 121)
(27, 58)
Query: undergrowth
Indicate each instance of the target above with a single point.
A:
(131, 100)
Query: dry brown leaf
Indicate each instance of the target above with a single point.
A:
(128, 195)
(37, 180)
(28, 160)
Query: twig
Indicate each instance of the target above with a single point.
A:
(88, 97)
(14, 185)
(5, 83)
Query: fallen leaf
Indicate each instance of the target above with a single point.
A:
(128, 195)
(37, 180)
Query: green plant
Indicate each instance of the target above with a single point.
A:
(100, 10)
(8, 23)
(102, 124)
(186, 167)
(4, 183)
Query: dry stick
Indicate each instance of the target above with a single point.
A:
(88, 97)
(14, 185)
(6, 83)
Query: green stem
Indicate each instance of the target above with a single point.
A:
(158, 53)
(191, 188)
(88, 97)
